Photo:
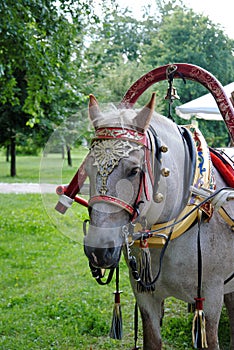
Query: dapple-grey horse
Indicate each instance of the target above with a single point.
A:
(125, 192)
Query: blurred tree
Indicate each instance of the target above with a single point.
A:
(39, 40)
(123, 48)
(185, 36)
(54, 53)
(118, 38)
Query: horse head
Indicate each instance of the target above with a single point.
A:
(116, 170)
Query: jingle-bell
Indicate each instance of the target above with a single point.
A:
(172, 94)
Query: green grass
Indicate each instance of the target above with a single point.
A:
(48, 169)
(48, 299)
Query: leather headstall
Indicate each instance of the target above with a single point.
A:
(107, 156)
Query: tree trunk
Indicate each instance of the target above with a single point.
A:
(69, 159)
(13, 157)
(8, 153)
(63, 152)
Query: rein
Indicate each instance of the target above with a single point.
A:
(98, 275)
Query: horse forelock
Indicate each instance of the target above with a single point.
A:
(117, 118)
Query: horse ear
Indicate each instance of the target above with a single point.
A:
(94, 111)
(142, 119)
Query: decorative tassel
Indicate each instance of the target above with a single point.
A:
(199, 326)
(145, 268)
(116, 331)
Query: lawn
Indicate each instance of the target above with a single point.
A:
(50, 168)
(49, 299)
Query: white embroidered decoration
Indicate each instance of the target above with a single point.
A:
(120, 133)
(108, 153)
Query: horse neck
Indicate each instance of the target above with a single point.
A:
(175, 187)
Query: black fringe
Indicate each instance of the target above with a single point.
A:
(116, 331)
(145, 270)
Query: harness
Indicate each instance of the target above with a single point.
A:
(106, 148)
(117, 143)
(201, 177)
(159, 235)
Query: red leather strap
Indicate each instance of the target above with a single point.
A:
(121, 133)
(113, 200)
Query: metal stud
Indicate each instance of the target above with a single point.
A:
(158, 197)
(165, 172)
(164, 148)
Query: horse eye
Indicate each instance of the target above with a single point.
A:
(134, 172)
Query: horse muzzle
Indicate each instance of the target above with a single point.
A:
(103, 246)
(104, 258)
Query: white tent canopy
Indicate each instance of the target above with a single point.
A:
(203, 107)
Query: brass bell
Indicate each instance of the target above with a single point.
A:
(165, 172)
(158, 197)
(173, 95)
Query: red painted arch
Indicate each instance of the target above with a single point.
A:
(191, 72)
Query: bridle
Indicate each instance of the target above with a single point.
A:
(128, 140)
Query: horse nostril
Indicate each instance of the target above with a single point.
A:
(109, 253)
(103, 257)
(94, 258)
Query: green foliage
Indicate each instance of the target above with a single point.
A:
(28, 148)
(27, 38)
(53, 54)
(38, 40)
(115, 35)
(185, 36)
(215, 132)
(174, 34)
(38, 80)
